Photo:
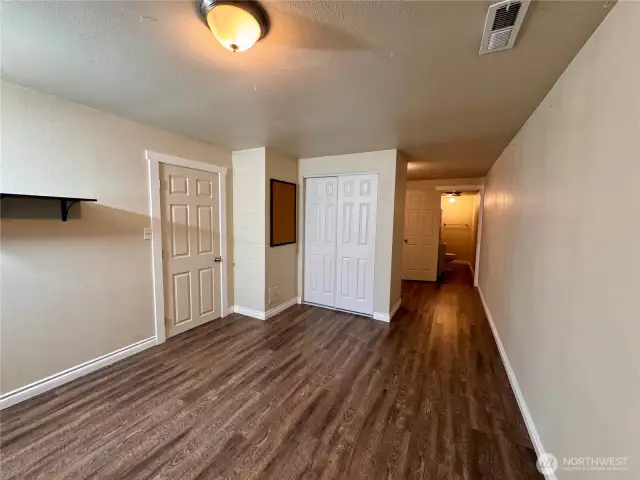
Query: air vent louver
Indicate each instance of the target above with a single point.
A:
(502, 24)
(506, 16)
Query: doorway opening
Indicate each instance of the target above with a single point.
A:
(459, 245)
(188, 242)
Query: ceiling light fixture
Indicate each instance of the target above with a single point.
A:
(238, 24)
(452, 196)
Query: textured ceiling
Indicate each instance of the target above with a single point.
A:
(330, 78)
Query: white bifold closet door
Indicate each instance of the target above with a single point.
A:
(340, 232)
(355, 259)
(320, 240)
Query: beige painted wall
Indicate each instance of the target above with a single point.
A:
(384, 163)
(281, 262)
(398, 229)
(475, 227)
(74, 291)
(560, 266)
(458, 227)
(249, 227)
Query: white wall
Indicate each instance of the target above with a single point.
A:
(560, 267)
(249, 188)
(384, 163)
(265, 276)
(281, 261)
(74, 291)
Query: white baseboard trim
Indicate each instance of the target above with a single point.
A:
(524, 410)
(24, 393)
(248, 312)
(299, 300)
(383, 317)
(281, 308)
(231, 309)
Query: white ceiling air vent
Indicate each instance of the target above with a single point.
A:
(502, 24)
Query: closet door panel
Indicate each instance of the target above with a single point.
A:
(356, 232)
(321, 203)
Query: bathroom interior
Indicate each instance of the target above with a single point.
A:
(457, 250)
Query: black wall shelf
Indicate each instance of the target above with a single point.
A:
(65, 202)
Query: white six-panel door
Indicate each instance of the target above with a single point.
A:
(357, 214)
(321, 205)
(340, 231)
(421, 235)
(190, 244)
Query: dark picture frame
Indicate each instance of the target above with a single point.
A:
(283, 213)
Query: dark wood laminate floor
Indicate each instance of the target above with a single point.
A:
(309, 394)
(458, 274)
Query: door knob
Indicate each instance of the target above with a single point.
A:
(406, 241)
(217, 259)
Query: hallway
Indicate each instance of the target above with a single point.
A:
(460, 274)
(311, 393)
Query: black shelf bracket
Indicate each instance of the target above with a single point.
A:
(65, 202)
(65, 205)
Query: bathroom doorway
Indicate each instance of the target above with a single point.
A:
(460, 234)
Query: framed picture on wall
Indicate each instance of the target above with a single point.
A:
(283, 213)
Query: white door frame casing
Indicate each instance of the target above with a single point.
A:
(480, 190)
(155, 159)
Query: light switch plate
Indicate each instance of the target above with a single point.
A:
(148, 234)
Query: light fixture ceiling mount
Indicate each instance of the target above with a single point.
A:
(452, 196)
(236, 24)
